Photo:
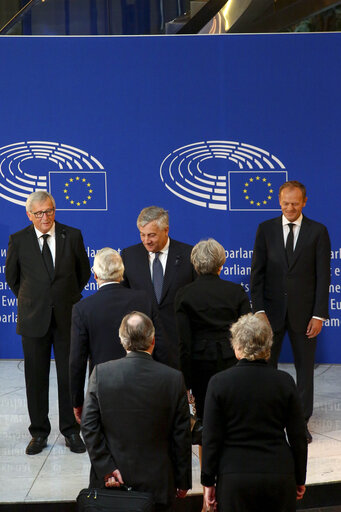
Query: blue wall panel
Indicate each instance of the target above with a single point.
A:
(119, 110)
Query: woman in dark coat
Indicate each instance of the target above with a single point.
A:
(254, 440)
(205, 310)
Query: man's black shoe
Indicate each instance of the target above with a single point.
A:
(308, 434)
(36, 445)
(75, 443)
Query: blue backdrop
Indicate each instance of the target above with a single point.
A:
(205, 126)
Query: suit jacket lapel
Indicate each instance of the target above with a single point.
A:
(33, 246)
(60, 243)
(279, 241)
(144, 269)
(302, 237)
(173, 260)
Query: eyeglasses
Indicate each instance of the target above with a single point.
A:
(39, 215)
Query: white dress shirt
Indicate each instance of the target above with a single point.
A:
(162, 257)
(51, 241)
(296, 229)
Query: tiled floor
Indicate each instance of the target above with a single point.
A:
(57, 474)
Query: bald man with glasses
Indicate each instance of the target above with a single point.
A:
(46, 268)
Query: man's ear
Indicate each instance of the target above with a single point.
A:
(152, 345)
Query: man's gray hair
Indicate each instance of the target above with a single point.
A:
(108, 265)
(153, 214)
(208, 256)
(38, 197)
(136, 332)
(251, 335)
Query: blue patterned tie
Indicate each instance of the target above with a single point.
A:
(157, 276)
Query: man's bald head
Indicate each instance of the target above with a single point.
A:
(136, 332)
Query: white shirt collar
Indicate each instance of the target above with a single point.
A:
(164, 250)
(109, 282)
(51, 232)
(297, 222)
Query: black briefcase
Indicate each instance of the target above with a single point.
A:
(122, 499)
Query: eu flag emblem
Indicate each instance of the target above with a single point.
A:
(75, 190)
(253, 190)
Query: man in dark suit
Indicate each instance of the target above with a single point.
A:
(290, 276)
(47, 268)
(135, 420)
(96, 320)
(160, 266)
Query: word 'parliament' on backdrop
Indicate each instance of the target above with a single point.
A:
(224, 175)
(76, 179)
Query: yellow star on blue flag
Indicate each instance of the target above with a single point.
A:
(255, 190)
(81, 190)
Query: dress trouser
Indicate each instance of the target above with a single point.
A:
(304, 358)
(37, 356)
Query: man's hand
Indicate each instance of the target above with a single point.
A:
(77, 411)
(181, 493)
(209, 498)
(314, 328)
(114, 479)
(300, 490)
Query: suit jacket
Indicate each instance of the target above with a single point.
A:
(94, 330)
(247, 409)
(29, 280)
(179, 271)
(301, 290)
(136, 418)
(205, 310)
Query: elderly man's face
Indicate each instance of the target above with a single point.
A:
(153, 238)
(45, 222)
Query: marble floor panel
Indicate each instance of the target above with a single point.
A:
(57, 474)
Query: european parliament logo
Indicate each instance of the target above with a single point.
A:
(75, 178)
(224, 175)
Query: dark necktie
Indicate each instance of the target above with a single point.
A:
(47, 257)
(290, 244)
(157, 276)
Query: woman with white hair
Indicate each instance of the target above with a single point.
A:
(254, 440)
